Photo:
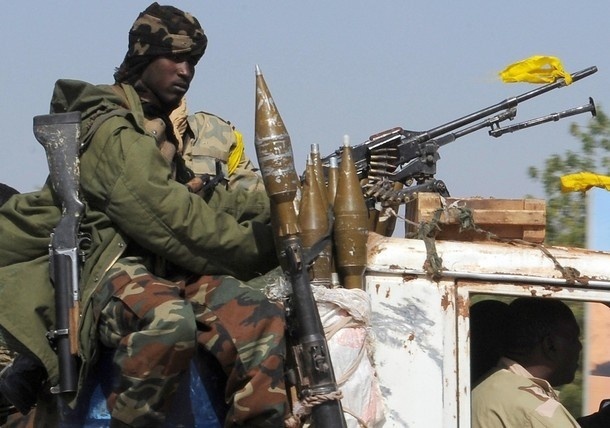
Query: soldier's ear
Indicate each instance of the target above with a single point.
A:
(549, 347)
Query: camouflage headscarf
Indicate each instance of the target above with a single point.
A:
(160, 30)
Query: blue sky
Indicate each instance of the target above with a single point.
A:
(598, 233)
(334, 67)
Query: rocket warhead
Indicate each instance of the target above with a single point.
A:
(314, 224)
(319, 171)
(268, 121)
(351, 223)
(276, 162)
(333, 177)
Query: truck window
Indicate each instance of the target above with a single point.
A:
(592, 381)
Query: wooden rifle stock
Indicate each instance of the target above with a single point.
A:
(59, 134)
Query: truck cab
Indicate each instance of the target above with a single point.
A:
(421, 314)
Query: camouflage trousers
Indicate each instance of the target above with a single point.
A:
(155, 326)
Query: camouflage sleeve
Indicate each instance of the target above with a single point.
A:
(213, 140)
(246, 176)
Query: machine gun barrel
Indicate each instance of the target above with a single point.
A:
(491, 122)
(553, 117)
(412, 154)
(503, 105)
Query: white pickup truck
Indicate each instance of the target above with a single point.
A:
(422, 326)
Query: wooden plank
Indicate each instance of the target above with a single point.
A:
(481, 217)
(506, 218)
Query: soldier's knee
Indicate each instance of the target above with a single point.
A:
(273, 321)
(175, 321)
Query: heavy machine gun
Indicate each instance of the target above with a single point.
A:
(409, 157)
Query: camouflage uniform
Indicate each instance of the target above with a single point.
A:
(207, 142)
(512, 397)
(154, 323)
(153, 330)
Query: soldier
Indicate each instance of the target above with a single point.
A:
(155, 284)
(540, 351)
(211, 145)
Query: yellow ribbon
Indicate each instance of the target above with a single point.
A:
(583, 181)
(236, 153)
(536, 69)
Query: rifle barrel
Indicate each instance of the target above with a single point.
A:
(553, 117)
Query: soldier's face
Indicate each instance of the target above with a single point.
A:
(566, 341)
(168, 78)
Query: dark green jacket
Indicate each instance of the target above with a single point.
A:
(130, 198)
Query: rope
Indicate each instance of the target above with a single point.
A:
(465, 216)
(427, 232)
(353, 367)
(330, 331)
(295, 420)
(360, 421)
(303, 407)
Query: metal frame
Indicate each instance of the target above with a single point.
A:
(465, 289)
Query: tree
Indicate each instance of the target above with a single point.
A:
(566, 212)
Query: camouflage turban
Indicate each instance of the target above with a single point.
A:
(158, 31)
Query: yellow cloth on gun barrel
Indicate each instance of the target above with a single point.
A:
(536, 69)
(583, 181)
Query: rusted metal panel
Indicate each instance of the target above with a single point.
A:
(414, 329)
(467, 259)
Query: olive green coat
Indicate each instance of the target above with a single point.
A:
(129, 197)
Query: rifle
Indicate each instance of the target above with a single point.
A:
(409, 157)
(59, 135)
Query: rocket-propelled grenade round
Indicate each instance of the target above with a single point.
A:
(333, 177)
(351, 223)
(314, 224)
(314, 372)
(319, 170)
(274, 153)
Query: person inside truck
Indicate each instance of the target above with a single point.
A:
(487, 320)
(541, 350)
